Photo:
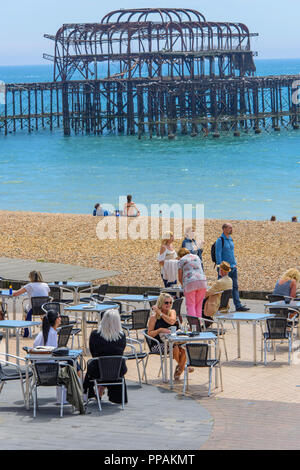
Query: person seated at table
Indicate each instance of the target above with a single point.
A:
(287, 283)
(214, 293)
(48, 335)
(35, 288)
(108, 340)
(161, 320)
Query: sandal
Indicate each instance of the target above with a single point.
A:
(177, 373)
(190, 370)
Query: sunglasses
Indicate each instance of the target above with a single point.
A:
(167, 302)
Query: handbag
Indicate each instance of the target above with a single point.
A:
(60, 352)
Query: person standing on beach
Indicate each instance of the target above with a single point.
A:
(225, 252)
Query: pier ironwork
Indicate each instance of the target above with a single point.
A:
(157, 72)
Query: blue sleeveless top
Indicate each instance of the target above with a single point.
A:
(283, 289)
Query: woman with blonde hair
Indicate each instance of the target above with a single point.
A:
(108, 340)
(167, 260)
(35, 288)
(287, 283)
(160, 322)
(193, 281)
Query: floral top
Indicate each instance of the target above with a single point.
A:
(193, 277)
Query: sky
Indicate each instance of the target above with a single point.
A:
(23, 23)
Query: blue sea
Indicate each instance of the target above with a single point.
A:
(251, 177)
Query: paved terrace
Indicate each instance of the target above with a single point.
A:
(259, 409)
(18, 270)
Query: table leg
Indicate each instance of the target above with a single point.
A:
(165, 371)
(18, 344)
(27, 393)
(171, 363)
(7, 340)
(254, 343)
(84, 335)
(239, 339)
(217, 357)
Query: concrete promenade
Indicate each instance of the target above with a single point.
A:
(259, 409)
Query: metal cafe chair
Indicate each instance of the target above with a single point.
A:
(139, 321)
(63, 335)
(277, 331)
(10, 371)
(157, 352)
(138, 355)
(109, 374)
(46, 375)
(197, 357)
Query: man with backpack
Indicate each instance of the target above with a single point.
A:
(224, 251)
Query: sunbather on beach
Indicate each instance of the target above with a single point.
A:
(130, 209)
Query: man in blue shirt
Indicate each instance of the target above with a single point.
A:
(225, 252)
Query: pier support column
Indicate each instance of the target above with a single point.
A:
(65, 106)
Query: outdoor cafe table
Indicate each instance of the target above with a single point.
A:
(16, 325)
(72, 287)
(295, 304)
(178, 338)
(253, 318)
(74, 356)
(176, 290)
(135, 298)
(83, 309)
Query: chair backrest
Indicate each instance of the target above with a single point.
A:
(274, 297)
(140, 319)
(56, 306)
(1, 336)
(148, 339)
(109, 367)
(55, 293)
(46, 373)
(225, 298)
(64, 320)
(193, 321)
(277, 327)
(63, 335)
(36, 304)
(197, 354)
(102, 290)
(280, 312)
(111, 302)
(177, 306)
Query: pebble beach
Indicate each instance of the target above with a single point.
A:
(264, 250)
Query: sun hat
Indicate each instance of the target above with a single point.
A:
(225, 266)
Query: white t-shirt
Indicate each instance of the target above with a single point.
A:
(37, 289)
(51, 341)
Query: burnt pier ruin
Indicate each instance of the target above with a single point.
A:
(158, 72)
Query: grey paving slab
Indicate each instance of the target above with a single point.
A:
(154, 419)
(18, 269)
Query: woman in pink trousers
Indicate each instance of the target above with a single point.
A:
(193, 281)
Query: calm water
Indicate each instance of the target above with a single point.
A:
(251, 177)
